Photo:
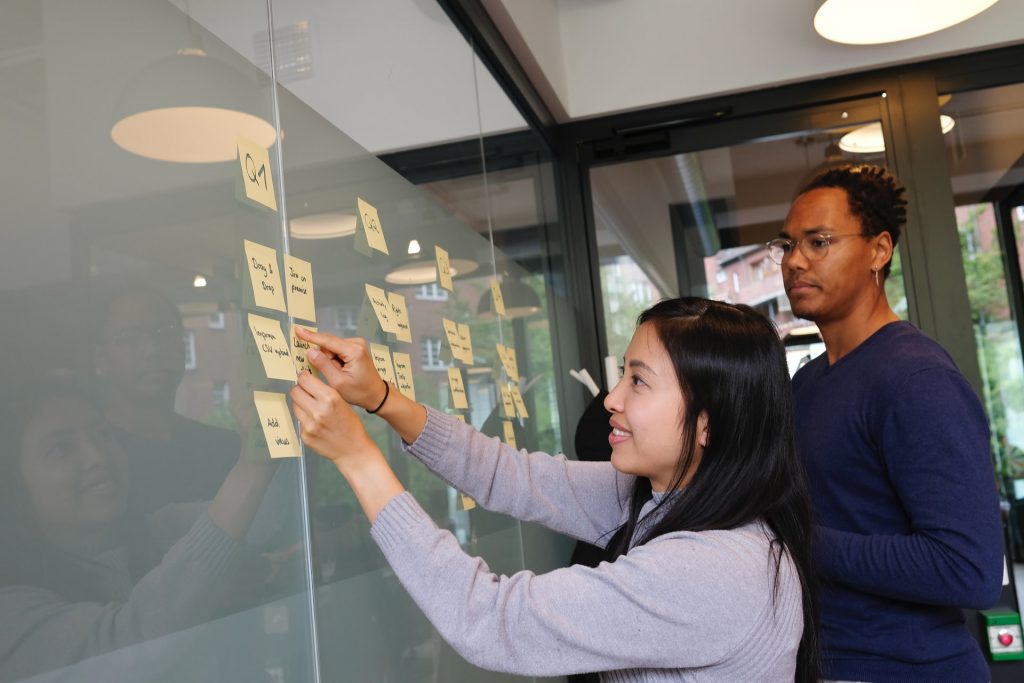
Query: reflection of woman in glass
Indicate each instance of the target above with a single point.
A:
(703, 507)
(139, 355)
(79, 576)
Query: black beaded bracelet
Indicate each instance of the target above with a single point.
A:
(387, 391)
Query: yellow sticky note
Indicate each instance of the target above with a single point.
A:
(273, 347)
(444, 268)
(507, 357)
(298, 277)
(467, 502)
(460, 418)
(256, 176)
(510, 434)
(379, 301)
(371, 226)
(467, 344)
(264, 275)
(381, 356)
(299, 350)
(510, 354)
(517, 398)
(451, 331)
(403, 375)
(508, 407)
(400, 317)
(458, 389)
(277, 424)
(499, 301)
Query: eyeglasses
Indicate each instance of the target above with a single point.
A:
(814, 247)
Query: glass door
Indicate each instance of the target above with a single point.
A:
(985, 154)
(695, 222)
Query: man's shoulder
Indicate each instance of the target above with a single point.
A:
(906, 350)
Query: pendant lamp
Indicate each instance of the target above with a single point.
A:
(871, 22)
(191, 108)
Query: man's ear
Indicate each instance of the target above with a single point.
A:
(883, 250)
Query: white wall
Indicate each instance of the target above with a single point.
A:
(627, 54)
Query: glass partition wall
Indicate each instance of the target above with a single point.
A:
(182, 182)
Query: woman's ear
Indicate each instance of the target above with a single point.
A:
(702, 429)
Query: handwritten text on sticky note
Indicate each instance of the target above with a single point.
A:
(277, 424)
(265, 276)
(273, 347)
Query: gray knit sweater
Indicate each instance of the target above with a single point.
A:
(685, 606)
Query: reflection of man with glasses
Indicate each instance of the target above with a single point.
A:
(140, 361)
(896, 447)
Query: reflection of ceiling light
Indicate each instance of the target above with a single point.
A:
(520, 301)
(414, 247)
(199, 281)
(422, 272)
(322, 226)
(190, 108)
(868, 139)
(870, 22)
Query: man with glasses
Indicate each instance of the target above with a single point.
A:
(896, 448)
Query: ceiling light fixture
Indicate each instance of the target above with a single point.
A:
(871, 22)
(191, 108)
(322, 226)
(868, 139)
(520, 301)
(420, 271)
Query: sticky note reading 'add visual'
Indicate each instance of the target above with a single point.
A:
(458, 389)
(277, 424)
(264, 275)
(273, 347)
(256, 176)
(371, 226)
(298, 278)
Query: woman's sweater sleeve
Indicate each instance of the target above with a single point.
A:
(674, 602)
(43, 631)
(585, 500)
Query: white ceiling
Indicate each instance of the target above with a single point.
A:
(594, 57)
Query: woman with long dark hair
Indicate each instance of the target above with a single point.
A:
(703, 507)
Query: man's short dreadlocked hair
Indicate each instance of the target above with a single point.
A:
(874, 195)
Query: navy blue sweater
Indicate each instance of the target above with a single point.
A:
(896, 447)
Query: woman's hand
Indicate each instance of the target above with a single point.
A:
(346, 366)
(329, 425)
(332, 429)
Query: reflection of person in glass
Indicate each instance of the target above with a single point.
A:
(140, 361)
(702, 505)
(80, 575)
